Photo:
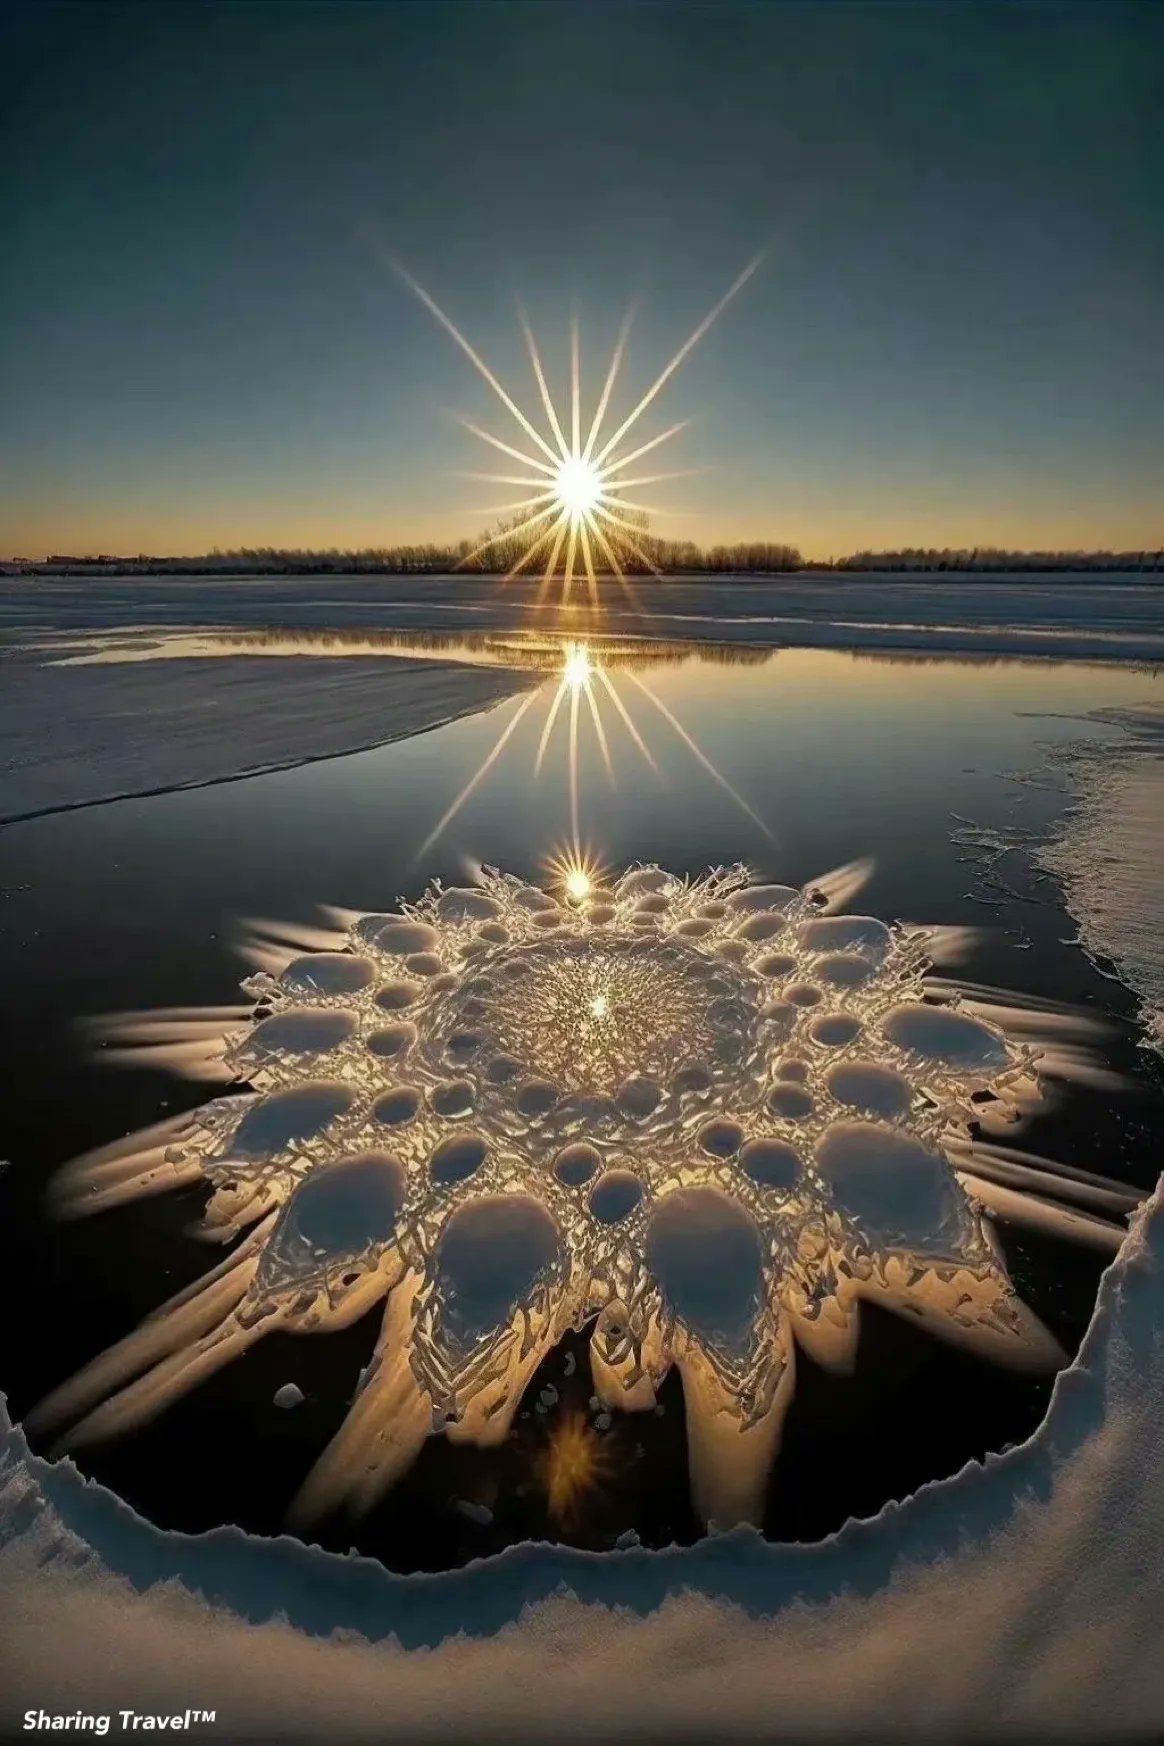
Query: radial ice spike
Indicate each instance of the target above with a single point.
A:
(707, 1116)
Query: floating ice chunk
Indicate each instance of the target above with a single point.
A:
(474, 1512)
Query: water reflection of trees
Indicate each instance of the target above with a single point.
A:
(539, 651)
(968, 658)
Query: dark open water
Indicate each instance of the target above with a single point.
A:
(134, 904)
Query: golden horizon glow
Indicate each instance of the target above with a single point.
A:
(577, 514)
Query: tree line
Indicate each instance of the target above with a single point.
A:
(634, 548)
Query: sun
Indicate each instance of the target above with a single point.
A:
(579, 487)
(578, 519)
(577, 668)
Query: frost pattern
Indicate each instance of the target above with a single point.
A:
(706, 1116)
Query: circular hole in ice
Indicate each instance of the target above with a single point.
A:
(770, 1163)
(328, 973)
(494, 933)
(615, 1197)
(714, 911)
(844, 970)
(397, 937)
(763, 926)
(346, 1207)
(397, 1107)
(779, 1020)
(654, 903)
(576, 1164)
(463, 1045)
(721, 1138)
(692, 1080)
(305, 1031)
(794, 1069)
(289, 1117)
(759, 897)
(396, 996)
(869, 1086)
(705, 1251)
(835, 1029)
(546, 920)
(536, 1097)
(533, 898)
(423, 964)
(600, 913)
(886, 1179)
(642, 879)
(776, 966)
(637, 1096)
(791, 1103)
(803, 994)
(947, 1038)
(846, 933)
(454, 1098)
(489, 1257)
(461, 903)
(502, 1069)
(456, 1159)
(393, 1040)
(694, 928)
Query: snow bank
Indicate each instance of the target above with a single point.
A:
(1024, 1597)
(1106, 853)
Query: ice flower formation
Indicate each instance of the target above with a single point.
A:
(709, 1117)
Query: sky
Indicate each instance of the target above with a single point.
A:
(953, 337)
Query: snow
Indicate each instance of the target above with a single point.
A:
(1022, 1597)
(76, 735)
(1107, 852)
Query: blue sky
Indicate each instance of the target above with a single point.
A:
(954, 337)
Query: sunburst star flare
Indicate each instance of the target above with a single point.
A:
(578, 515)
